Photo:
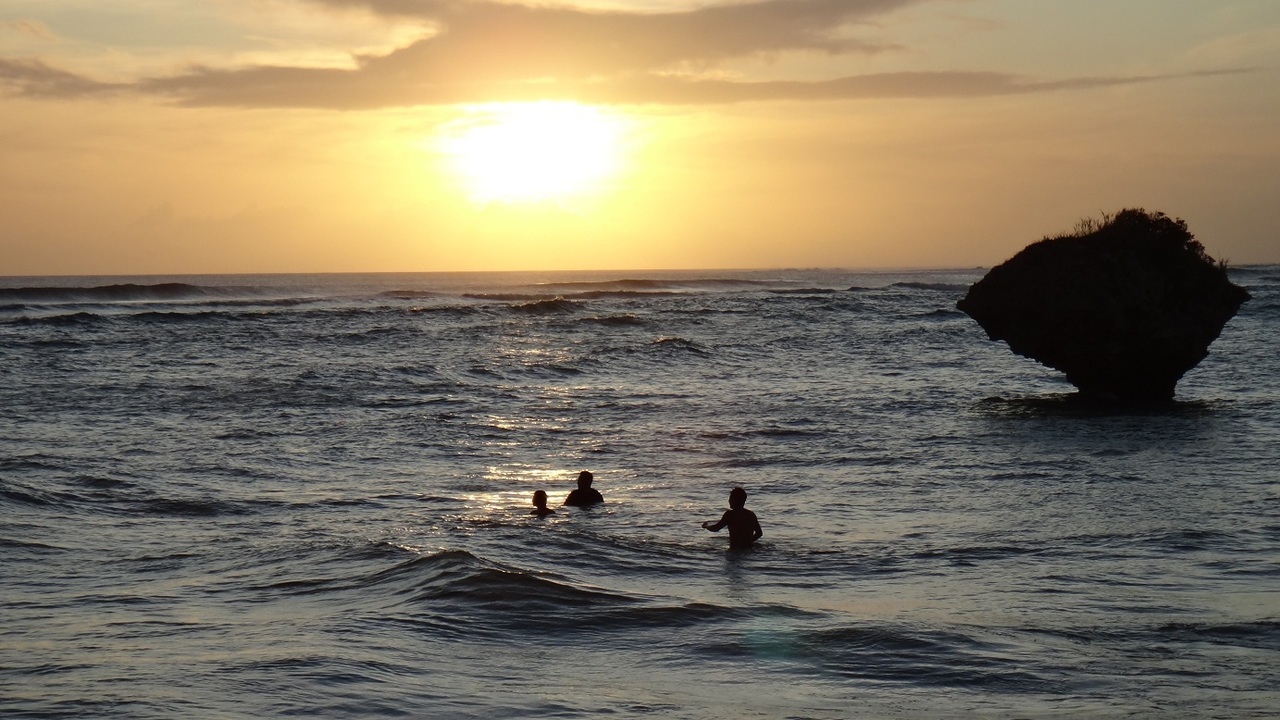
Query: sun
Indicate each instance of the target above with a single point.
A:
(530, 152)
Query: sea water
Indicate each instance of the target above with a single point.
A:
(309, 495)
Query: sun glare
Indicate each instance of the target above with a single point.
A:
(529, 152)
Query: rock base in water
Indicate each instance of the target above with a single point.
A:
(1124, 306)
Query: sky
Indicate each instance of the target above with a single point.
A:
(243, 136)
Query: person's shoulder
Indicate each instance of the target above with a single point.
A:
(583, 499)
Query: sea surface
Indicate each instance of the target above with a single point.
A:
(309, 496)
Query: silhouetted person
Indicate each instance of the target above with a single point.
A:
(744, 528)
(540, 504)
(584, 496)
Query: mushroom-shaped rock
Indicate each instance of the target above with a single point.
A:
(1124, 306)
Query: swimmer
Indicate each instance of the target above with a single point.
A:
(540, 504)
(584, 496)
(744, 528)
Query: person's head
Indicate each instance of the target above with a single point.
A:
(737, 498)
(539, 498)
(584, 480)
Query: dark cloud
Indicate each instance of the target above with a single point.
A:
(901, 85)
(339, 89)
(33, 78)
(486, 51)
(491, 40)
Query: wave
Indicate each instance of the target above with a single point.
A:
(965, 556)
(110, 293)
(84, 318)
(556, 305)
(162, 318)
(1077, 405)
(410, 294)
(509, 297)
(63, 320)
(582, 295)
(198, 507)
(1261, 282)
(47, 305)
(263, 302)
(1269, 273)
(651, 284)
(616, 320)
(95, 314)
(38, 497)
(680, 344)
(888, 653)
(458, 575)
(600, 294)
(460, 593)
(942, 314)
(33, 461)
(102, 483)
(944, 287)
(803, 291)
(1261, 634)
(113, 496)
(29, 545)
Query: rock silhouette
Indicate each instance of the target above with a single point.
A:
(1124, 306)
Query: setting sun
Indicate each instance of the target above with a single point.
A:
(526, 152)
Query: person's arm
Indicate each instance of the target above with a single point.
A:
(756, 532)
(715, 527)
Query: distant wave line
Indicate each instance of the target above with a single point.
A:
(118, 293)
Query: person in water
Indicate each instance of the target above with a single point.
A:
(585, 495)
(744, 528)
(540, 504)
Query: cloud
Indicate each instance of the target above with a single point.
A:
(492, 39)
(900, 85)
(1254, 45)
(33, 78)
(339, 89)
(482, 51)
(29, 28)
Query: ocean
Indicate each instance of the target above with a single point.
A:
(258, 496)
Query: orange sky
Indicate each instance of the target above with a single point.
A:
(177, 136)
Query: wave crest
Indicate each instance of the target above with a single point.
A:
(108, 293)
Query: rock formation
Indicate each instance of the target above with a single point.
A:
(1124, 306)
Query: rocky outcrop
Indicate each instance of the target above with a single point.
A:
(1124, 306)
